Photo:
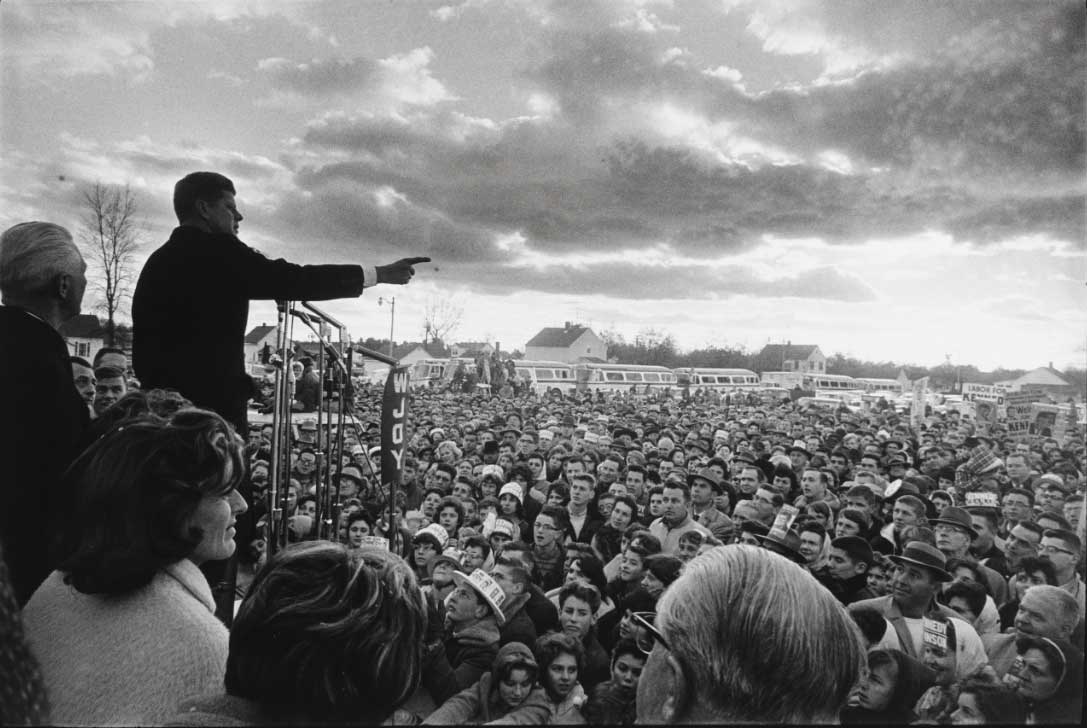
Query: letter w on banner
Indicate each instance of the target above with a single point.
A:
(394, 421)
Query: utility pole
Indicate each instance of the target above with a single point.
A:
(392, 317)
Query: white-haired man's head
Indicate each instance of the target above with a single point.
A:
(749, 636)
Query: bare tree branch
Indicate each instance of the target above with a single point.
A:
(111, 236)
(441, 319)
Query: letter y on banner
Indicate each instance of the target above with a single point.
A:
(394, 422)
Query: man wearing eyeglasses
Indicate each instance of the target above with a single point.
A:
(745, 636)
(1063, 549)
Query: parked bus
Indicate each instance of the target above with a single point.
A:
(711, 378)
(785, 380)
(591, 376)
(875, 384)
(545, 376)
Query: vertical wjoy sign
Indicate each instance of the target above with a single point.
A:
(394, 421)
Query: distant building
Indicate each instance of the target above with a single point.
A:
(569, 344)
(84, 335)
(1045, 379)
(790, 358)
(255, 341)
(408, 353)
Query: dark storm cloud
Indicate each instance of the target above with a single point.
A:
(976, 131)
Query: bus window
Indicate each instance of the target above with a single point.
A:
(613, 376)
(652, 377)
(633, 376)
(545, 374)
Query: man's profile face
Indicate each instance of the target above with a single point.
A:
(221, 216)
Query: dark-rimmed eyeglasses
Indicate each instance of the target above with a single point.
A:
(645, 633)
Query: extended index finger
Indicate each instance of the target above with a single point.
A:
(415, 261)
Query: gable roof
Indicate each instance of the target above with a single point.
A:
(83, 326)
(787, 352)
(554, 337)
(1045, 376)
(434, 352)
(258, 333)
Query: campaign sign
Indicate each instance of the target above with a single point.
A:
(935, 634)
(375, 542)
(982, 499)
(394, 418)
(975, 392)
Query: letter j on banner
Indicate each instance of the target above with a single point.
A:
(394, 422)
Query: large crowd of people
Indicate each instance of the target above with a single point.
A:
(599, 558)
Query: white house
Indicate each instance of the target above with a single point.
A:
(84, 335)
(791, 358)
(255, 341)
(569, 344)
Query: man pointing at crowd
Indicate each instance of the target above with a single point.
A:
(191, 304)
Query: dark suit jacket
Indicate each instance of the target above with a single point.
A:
(41, 425)
(190, 308)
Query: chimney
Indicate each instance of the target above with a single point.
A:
(1050, 365)
(566, 325)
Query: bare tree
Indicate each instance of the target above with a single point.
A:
(111, 234)
(441, 318)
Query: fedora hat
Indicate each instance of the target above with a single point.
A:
(487, 588)
(921, 554)
(707, 474)
(786, 543)
(957, 517)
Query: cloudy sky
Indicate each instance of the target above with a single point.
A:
(892, 180)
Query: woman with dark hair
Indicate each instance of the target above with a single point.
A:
(887, 694)
(586, 569)
(982, 701)
(608, 538)
(359, 525)
(660, 571)
(126, 624)
(450, 516)
(1048, 675)
(327, 635)
(561, 659)
(507, 694)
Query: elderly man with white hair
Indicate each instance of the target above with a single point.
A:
(43, 420)
(747, 636)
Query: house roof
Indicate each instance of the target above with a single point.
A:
(83, 326)
(1045, 376)
(434, 352)
(788, 352)
(258, 333)
(554, 337)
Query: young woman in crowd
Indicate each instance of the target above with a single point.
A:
(327, 635)
(613, 702)
(450, 516)
(126, 625)
(561, 659)
(890, 689)
(608, 539)
(507, 693)
(660, 571)
(359, 526)
(982, 701)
